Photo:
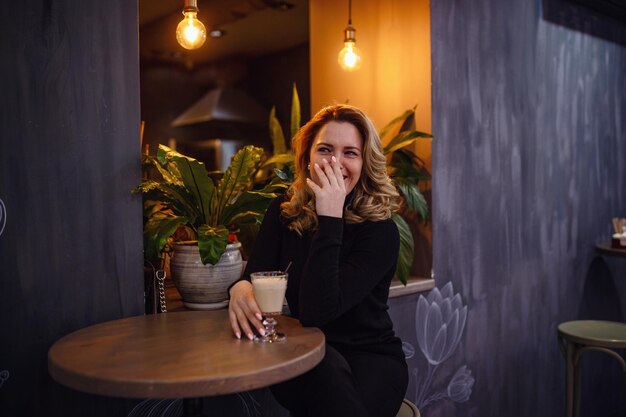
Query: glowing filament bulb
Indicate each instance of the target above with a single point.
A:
(190, 32)
(349, 57)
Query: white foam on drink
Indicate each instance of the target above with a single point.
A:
(269, 294)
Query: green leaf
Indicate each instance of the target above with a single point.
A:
(280, 159)
(404, 139)
(281, 174)
(149, 162)
(171, 196)
(405, 255)
(407, 165)
(276, 134)
(157, 230)
(277, 185)
(212, 243)
(409, 123)
(248, 217)
(395, 122)
(152, 206)
(295, 111)
(195, 179)
(249, 201)
(413, 197)
(237, 176)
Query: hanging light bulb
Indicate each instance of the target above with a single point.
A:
(350, 56)
(190, 32)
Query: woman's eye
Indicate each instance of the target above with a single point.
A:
(352, 154)
(323, 149)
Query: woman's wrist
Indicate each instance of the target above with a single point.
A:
(235, 285)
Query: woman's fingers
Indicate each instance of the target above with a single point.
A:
(321, 175)
(329, 188)
(338, 174)
(253, 314)
(243, 311)
(234, 323)
(248, 317)
(330, 173)
(316, 188)
(243, 322)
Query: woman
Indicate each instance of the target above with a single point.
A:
(334, 228)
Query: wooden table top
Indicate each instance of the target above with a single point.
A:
(607, 249)
(179, 355)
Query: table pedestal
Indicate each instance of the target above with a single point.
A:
(192, 407)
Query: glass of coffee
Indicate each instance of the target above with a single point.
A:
(269, 290)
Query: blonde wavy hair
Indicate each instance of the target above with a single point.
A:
(374, 197)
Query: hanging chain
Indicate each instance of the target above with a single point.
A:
(160, 275)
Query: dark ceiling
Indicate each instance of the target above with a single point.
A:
(252, 28)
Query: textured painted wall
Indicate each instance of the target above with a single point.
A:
(529, 116)
(70, 232)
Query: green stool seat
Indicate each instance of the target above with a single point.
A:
(577, 337)
(408, 409)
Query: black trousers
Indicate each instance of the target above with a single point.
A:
(346, 384)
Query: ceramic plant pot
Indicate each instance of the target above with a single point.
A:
(203, 287)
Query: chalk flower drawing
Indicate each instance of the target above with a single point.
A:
(409, 350)
(460, 386)
(4, 375)
(174, 407)
(439, 324)
(3, 216)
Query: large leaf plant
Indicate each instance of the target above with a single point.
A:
(183, 203)
(406, 169)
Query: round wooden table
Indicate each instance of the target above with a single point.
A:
(179, 355)
(607, 249)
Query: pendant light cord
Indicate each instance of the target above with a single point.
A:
(349, 12)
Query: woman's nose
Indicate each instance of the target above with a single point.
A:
(339, 159)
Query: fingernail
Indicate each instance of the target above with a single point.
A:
(262, 331)
(334, 159)
(238, 335)
(317, 165)
(259, 316)
(250, 336)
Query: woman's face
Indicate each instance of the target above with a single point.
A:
(341, 140)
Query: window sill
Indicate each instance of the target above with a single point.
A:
(414, 285)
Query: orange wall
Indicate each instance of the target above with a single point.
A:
(394, 38)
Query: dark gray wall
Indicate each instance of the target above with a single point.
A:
(70, 232)
(529, 166)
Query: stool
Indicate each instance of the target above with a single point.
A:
(408, 409)
(577, 337)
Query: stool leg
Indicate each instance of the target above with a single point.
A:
(576, 364)
(569, 378)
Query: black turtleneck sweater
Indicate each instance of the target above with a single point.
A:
(338, 279)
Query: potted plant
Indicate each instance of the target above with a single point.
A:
(196, 216)
(407, 171)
